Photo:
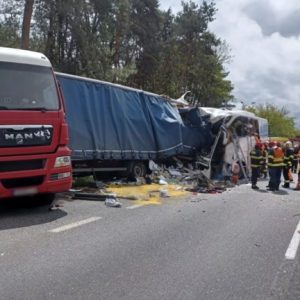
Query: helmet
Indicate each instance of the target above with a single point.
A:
(271, 144)
(288, 144)
(259, 145)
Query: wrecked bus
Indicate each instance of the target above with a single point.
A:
(235, 134)
(34, 157)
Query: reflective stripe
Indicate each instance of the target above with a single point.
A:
(256, 157)
(277, 165)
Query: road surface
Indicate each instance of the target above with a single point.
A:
(232, 245)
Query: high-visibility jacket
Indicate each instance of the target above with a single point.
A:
(296, 152)
(257, 158)
(288, 157)
(275, 157)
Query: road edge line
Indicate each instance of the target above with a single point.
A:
(294, 244)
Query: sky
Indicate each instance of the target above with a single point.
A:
(264, 39)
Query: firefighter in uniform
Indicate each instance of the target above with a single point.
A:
(264, 168)
(297, 188)
(288, 162)
(295, 159)
(276, 164)
(270, 186)
(257, 161)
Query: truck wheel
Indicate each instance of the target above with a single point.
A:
(137, 169)
(47, 199)
(38, 200)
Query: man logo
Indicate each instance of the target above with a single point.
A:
(35, 135)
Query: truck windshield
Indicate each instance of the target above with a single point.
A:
(27, 87)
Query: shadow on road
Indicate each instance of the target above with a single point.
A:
(261, 191)
(19, 212)
(281, 192)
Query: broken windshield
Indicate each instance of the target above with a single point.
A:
(25, 87)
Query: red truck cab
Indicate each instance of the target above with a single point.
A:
(34, 156)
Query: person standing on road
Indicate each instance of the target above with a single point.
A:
(297, 188)
(257, 161)
(276, 156)
(288, 161)
(295, 159)
(264, 168)
(271, 184)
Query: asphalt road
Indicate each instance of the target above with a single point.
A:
(211, 246)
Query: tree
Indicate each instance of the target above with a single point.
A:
(191, 57)
(144, 35)
(10, 12)
(280, 123)
(130, 42)
(26, 24)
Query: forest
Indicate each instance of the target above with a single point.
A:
(130, 42)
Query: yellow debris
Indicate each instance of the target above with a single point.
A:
(147, 194)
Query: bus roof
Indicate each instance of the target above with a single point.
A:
(23, 57)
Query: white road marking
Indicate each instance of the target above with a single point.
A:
(294, 244)
(75, 224)
(135, 206)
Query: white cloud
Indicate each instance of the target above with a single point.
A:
(264, 37)
(265, 68)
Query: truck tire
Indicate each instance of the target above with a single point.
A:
(47, 199)
(137, 169)
(38, 200)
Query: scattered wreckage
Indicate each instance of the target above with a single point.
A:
(117, 130)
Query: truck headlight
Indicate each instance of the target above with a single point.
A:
(62, 161)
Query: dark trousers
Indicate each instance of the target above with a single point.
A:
(271, 178)
(294, 166)
(286, 176)
(255, 173)
(277, 176)
(264, 170)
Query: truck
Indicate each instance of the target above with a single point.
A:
(115, 129)
(34, 153)
(118, 130)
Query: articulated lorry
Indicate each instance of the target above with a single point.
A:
(34, 156)
(116, 129)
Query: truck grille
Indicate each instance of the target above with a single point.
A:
(25, 135)
(23, 165)
(22, 182)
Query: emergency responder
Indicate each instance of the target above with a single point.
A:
(295, 159)
(288, 161)
(264, 168)
(270, 186)
(257, 160)
(297, 188)
(276, 163)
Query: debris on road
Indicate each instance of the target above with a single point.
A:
(112, 202)
(175, 180)
(93, 196)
